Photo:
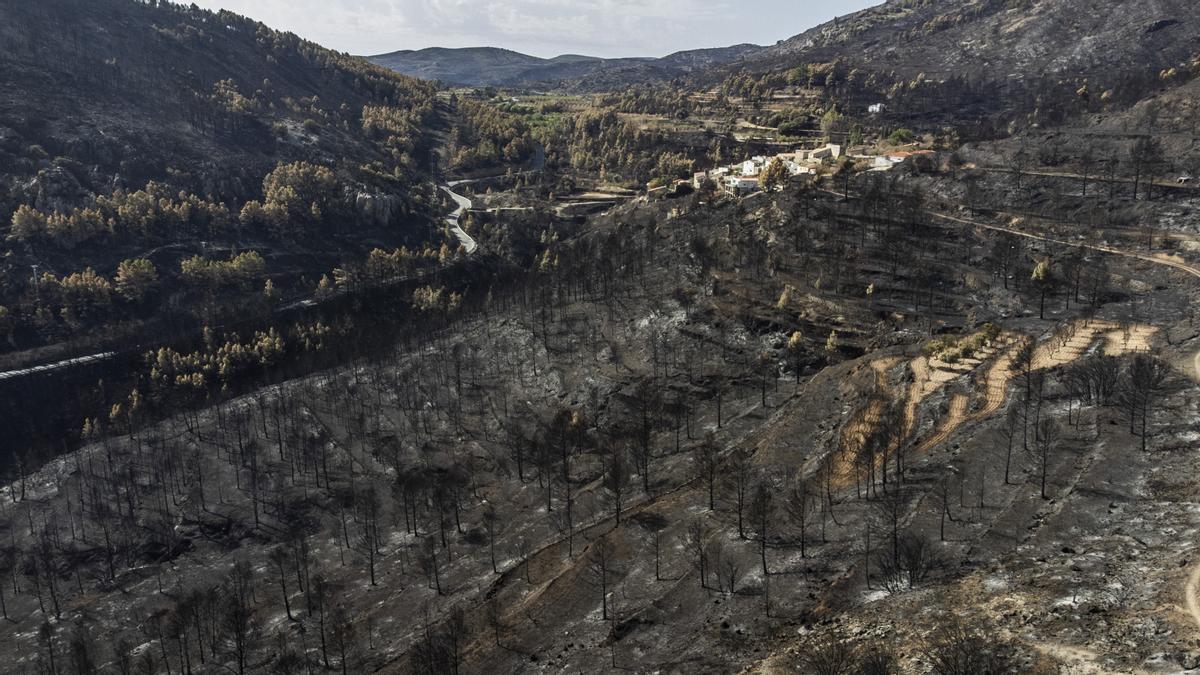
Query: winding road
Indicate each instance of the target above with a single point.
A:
(454, 220)
(8, 375)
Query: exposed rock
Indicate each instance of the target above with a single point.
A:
(56, 189)
(377, 209)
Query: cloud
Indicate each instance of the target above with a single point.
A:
(541, 27)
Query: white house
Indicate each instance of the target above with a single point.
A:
(741, 185)
(797, 169)
(750, 168)
(888, 161)
(698, 179)
(876, 108)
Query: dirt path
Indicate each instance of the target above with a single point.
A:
(1193, 583)
(1158, 259)
(1093, 178)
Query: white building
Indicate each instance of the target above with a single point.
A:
(750, 168)
(895, 158)
(830, 150)
(741, 185)
(876, 108)
(796, 169)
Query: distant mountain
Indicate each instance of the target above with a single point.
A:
(484, 66)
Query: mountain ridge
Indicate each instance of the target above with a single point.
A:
(997, 39)
(497, 66)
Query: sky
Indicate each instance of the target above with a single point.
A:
(541, 27)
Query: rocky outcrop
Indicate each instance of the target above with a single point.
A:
(56, 189)
(377, 209)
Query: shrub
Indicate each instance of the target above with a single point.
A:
(135, 278)
(793, 128)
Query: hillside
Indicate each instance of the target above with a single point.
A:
(151, 133)
(489, 66)
(874, 352)
(697, 448)
(128, 92)
(172, 174)
(976, 59)
(1000, 39)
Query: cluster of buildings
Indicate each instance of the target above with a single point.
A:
(743, 178)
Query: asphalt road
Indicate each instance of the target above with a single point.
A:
(454, 220)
